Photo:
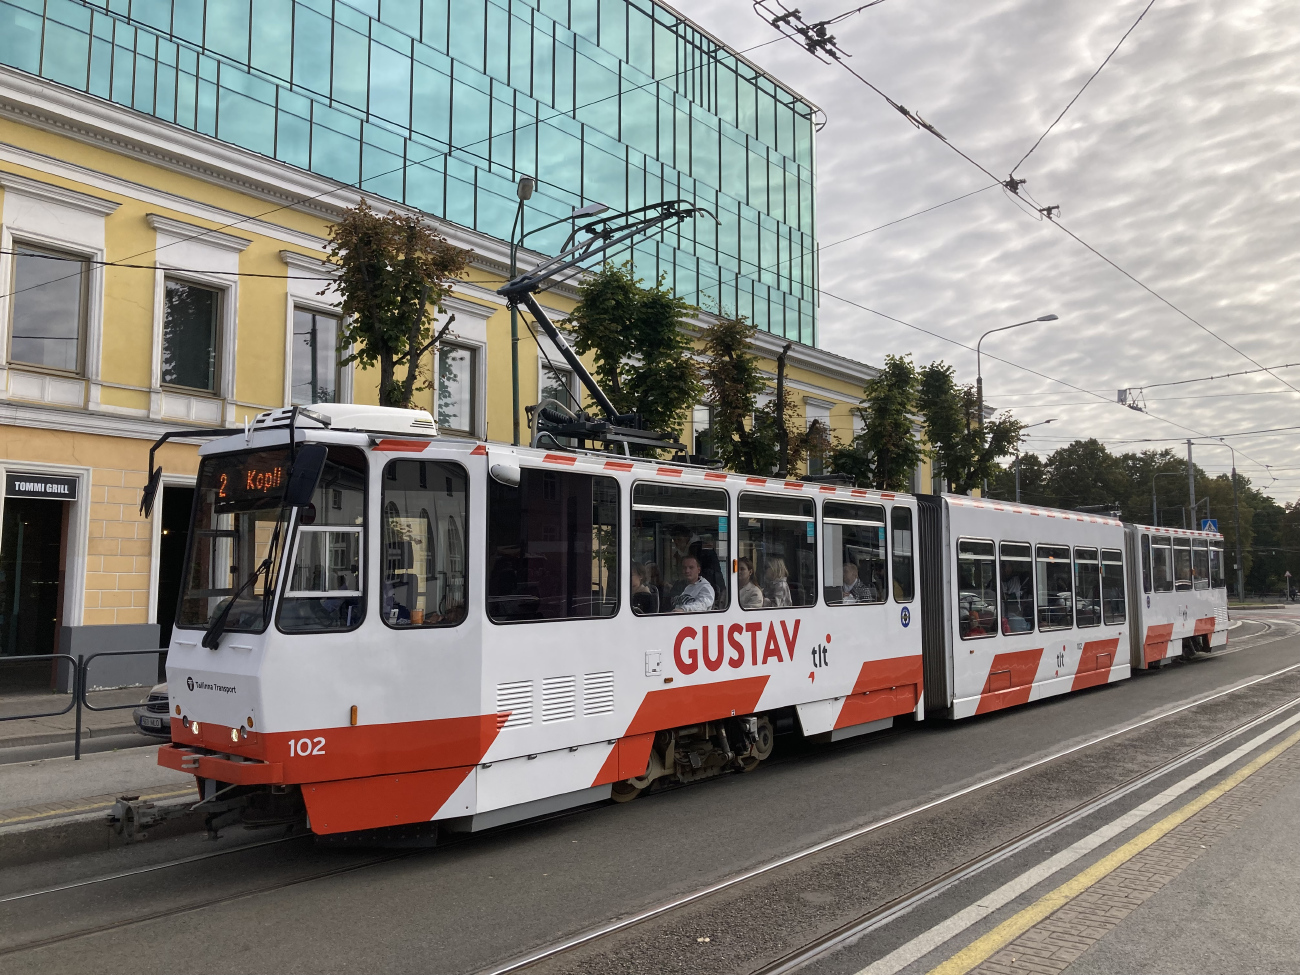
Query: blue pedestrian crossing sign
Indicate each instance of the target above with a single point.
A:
(1209, 524)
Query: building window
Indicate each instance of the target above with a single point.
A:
(455, 394)
(49, 309)
(702, 431)
(191, 335)
(558, 384)
(315, 358)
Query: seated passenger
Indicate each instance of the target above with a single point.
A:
(645, 600)
(975, 624)
(853, 589)
(776, 588)
(692, 593)
(748, 594)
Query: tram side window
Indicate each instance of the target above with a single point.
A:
(1146, 563)
(1055, 588)
(1017, 565)
(778, 537)
(977, 596)
(1162, 565)
(1087, 587)
(326, 587)
(681, 551)
(1182, 564)
(900, 520)
(1112, 585)
(552, 547)
(853, 553)
(425, 507)
(1201, 563)
(1217, 578)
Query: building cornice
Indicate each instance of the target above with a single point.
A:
(304, 262)
(186, 231)
(49, 193)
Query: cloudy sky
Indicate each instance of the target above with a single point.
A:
(1179, 163)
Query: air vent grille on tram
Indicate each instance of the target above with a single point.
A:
(559, 699)
(515, 703)
(598, 693)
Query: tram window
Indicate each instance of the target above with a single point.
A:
(1182, 564)
(900, 520)
(552, 547)
(1146, 563)
(326, 587)
(1200, 564)
(425, 509)
(1087, 587)
(1112, 585)
(853, 553)
(1055, 588)
(673, 527)
(977, 597)
(778, 537)
(1217, 579)
(1162, 565)
(1017, 567)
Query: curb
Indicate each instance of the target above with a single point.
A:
(57, 737)
(30, 837)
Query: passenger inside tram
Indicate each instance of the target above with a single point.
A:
(747, 592)
(692, 593)
(852, 588)
(776, 587)
(644, 599)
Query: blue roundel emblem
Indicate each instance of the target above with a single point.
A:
(1148, 602)
(905, 616)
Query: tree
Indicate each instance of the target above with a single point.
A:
(964, 451)
(394, 272)
(885, 453)
(732, 382)
(1086, 474)
(642, 353)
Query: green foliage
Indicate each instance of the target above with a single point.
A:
(732, 382)
(394, 272)
(964, 451)
(886, 452)
(642, 353)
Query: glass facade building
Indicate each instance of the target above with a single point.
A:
(444, 104)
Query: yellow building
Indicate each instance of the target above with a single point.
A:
(158, 278)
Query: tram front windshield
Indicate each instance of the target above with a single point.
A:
(239, 523)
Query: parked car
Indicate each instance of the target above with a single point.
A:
(151, 717)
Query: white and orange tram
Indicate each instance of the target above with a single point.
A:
(385, 627)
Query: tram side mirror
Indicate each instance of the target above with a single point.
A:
(507, 474)
(306, 473)
(150, 493)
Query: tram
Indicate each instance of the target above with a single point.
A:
(393, 627)
(382, 629)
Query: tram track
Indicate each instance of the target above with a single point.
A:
(1271, 633)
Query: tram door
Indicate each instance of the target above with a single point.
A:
(173, 534)
(33, 563)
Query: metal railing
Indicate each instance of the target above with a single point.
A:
(81, 688)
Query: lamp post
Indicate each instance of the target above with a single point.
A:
(1022, 430)
(1236, 526)
(979, 372)
(524, 190)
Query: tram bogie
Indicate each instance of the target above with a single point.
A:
(472, 634)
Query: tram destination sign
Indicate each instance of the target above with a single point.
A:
(40, 486)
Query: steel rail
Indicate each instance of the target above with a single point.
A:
(622, 924)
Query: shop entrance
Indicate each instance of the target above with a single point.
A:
(33, 565)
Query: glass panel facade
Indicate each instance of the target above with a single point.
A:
(613, 101)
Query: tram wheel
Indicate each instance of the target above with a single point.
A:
(766, 738)
(624, 791)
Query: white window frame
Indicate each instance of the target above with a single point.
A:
(476, 353)
(343, 388)
(223, 386)
(303, 293)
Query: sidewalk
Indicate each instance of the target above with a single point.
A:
(42, 731)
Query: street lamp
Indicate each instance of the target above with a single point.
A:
(524, 190)
(1018, 439)
(979, 373)
(1236, 525)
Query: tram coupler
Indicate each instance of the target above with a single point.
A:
(131, 817)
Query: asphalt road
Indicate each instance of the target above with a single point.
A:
(477, 903)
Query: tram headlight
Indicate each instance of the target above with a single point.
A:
(234, 734)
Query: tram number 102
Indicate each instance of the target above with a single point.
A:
(306, 746)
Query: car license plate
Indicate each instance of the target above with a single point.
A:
(146, 722)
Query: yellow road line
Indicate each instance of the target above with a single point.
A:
(1012, 928)
(90, 808)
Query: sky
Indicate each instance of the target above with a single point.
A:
(1178, 163)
